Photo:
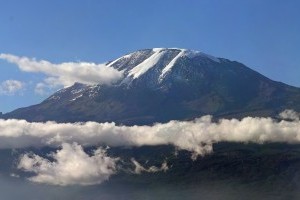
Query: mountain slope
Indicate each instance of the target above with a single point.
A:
(165, 84)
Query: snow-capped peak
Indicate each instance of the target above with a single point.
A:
(146, 64)
(171, 64)
(115, 61)
(193, 53)
(138, 63)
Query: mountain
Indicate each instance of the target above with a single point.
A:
(163, 84)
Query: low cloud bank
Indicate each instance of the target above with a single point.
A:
(196, 136)
(71, 166)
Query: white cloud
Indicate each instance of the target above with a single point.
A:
(65, 74)
(41, 89)
(153, 169)
(289, 115)
(71, 166)
(46, 87)
(196, 136)
(11, 87)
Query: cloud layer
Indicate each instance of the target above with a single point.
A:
(10, 87)
(71, 166)
(65, 74)
(196, 136)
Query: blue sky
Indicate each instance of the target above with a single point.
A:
(264, 35)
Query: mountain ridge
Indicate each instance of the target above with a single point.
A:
(164, 84)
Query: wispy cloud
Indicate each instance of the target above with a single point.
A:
(11, 87)
(153, 169)
(67, 73)
(42, 88)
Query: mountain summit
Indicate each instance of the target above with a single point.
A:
(158, 61)
(163, 84)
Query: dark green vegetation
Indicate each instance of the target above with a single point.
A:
(233, 171)
(248, 164)
(195, 86)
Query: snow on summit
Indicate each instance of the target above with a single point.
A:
(147, 64)
(138, 63)
(171, 64)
